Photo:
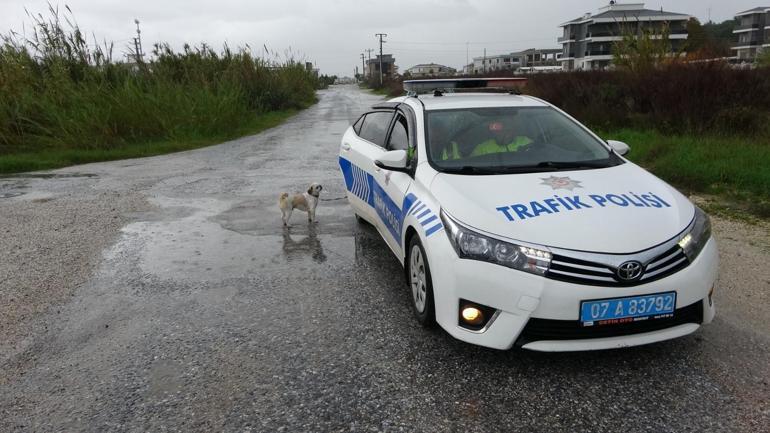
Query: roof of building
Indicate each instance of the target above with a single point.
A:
(386, 58)
(757, 10)
(431, 65)
(538, 50)
(621, 11)
(520, 53)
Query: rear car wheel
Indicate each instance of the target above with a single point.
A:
(420, 284)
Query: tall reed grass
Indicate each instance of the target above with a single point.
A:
(59, 91)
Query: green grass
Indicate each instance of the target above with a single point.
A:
(50, 158)
(734, 170)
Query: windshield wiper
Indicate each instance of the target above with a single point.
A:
(562, 165)
(469, 169)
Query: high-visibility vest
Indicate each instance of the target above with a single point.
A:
(491, 146)
(453, 153)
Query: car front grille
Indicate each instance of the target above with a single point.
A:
(586, 272)
(546, 329)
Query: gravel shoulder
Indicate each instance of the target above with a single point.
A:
(50, 245)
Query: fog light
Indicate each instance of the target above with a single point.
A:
(473, 316)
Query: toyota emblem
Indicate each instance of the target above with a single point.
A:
(629, 271)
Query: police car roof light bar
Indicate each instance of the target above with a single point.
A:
(449, 85)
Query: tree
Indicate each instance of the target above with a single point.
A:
(710, 40)
(643, 48)
(763, 58)
(697, 37)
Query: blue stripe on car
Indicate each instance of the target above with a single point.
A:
(362, 185)
(429, 220)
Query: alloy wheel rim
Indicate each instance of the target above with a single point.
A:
(418, 279)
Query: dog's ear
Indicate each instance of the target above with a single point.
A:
(320, 187)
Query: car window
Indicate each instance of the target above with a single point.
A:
(375, 127)
(358, 123)
(399, 138)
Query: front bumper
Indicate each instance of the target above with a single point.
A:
(521, 296)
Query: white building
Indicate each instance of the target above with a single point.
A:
(587, 41)
(752, 33)
(529, 58)
(431, 70)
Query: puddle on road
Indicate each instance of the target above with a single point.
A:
(210, 239)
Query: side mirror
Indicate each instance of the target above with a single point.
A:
(395, 160)
(619, 147)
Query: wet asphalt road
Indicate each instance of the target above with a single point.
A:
(206, 315)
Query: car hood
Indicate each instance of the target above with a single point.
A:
(620, 209)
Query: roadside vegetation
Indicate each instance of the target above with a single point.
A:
(64, 100)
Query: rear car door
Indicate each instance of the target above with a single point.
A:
(361, 146)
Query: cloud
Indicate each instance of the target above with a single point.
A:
(334, 33)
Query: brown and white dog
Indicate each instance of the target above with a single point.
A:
(306, 202)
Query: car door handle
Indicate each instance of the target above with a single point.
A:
(345, 147)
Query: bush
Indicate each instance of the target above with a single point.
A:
(691, 98)
(56, 92)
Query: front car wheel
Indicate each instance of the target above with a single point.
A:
(420, 285)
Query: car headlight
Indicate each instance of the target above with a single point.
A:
(693, 242)
(475, 246)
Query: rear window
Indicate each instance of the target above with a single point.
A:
(375, 127)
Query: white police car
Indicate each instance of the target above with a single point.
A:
(518, 225)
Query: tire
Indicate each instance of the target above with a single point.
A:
(420, 284)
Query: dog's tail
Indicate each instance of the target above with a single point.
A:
(282, 199)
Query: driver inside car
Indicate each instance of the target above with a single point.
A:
(503, 138)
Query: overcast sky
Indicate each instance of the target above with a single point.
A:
(334, 33)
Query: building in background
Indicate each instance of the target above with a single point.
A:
(311, 69)
(430, 70)
(533, 57)
(587, 41)
(389, 68)
(752, 33)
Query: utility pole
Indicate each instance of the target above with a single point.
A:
(369, 52)
(380, 35)
(138, 54)
(363, 64)
(466, 54)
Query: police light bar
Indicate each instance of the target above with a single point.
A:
(451, 84)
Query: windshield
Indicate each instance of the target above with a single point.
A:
(511, 139)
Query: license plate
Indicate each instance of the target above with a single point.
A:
(627, 309)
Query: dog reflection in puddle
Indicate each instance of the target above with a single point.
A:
(295, 249)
